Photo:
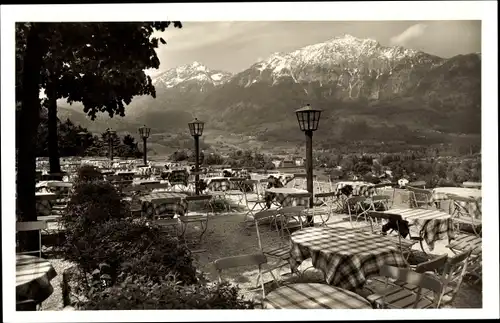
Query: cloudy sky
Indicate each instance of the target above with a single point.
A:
(234, 46)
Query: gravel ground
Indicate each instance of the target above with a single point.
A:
(229, 235)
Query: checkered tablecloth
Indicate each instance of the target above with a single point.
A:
(347, 258)
(359, 188)
(221, 183)
(442, 194)
(435, 224)
(150, 209)
(313, 296)
(178, 177)
(284, 196)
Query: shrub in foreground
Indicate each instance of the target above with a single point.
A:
(140, 293)
(133, 247)
(88, 173)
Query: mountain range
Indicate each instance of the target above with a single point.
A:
(366, 91)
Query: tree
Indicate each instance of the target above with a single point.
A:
(98, 64)
(103, 80)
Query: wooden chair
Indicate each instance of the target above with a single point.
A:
(380, 202)
(465, 242)
(257, 259)
(448, 270)
(418, 197)
(290, 219)
(281, 252)
(396, 297)
(402, 228)
(453, 274)
(325, 205)
(257, 203)
(235, 189)
(32, 226)
(386, 189)
(200, 218)
(357, 206)
(461, 214)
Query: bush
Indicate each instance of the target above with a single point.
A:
(88, 173)
(132, 247)
(140, 293)
(91, 203)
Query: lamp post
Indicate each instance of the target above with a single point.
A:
(110, 132)
(82, 136)
(308, 119)
(196, 130)
(144, 132)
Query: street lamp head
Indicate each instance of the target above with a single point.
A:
(308, 118)
(196, 127)
(144, 131)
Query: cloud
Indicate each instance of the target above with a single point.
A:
(196, 35)
(410, 33)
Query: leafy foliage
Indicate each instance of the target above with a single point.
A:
(140, 293)
(89, 173)
(99, 229)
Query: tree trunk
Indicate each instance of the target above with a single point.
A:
(55, 166)
(30, 116)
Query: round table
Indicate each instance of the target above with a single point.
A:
(314, 296)
(460, 191)
(33, 276)
(346, 257)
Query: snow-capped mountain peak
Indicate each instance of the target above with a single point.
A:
(193, 72)
(339, 55)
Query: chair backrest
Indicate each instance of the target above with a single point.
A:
(326, 194)
(60, 184)
(435, 264)
(461, 205)
(411, 277)
(134, 188)
(165, 200)
(259, 216)
(300, 195)
(420, 184)
(352, 201)
(256, 259)
(198, 198)
(155, 186)
(31, 225)
(453, 274)
(419, 197)
(288, 213)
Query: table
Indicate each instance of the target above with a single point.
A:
(178, 207)
(313, 296)
(472, 184)
(33, 276)
(434, 224)
(220, 183)
(441, 194)
(284, 196)
(359, 188)
(346, 257)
